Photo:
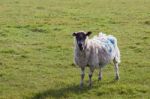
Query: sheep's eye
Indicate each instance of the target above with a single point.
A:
(81, 39)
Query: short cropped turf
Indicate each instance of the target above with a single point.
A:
(36, 48)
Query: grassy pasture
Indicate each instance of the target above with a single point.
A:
(36, 48)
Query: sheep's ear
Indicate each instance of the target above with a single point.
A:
(74, 34)
(88, 33)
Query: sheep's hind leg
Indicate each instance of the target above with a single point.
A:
(82, 76)
(90, 75)
(116, 70)
(100, 74)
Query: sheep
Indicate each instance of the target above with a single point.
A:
(95, 53)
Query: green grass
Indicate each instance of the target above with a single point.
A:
(36, 48)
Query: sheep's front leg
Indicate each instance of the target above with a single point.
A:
(82, 76)
(90, 76)
(100, 74)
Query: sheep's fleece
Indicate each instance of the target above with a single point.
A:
(99, 51)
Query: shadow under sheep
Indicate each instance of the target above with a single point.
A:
(64, 92)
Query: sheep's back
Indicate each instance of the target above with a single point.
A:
(102, 50)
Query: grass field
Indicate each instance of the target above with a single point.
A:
(36, 48)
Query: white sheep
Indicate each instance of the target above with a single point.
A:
(95, 52)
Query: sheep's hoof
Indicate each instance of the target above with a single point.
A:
(81, 85)
(99, 78)
(90, 84)
(117, 78)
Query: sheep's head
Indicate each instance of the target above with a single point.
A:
(81, 38)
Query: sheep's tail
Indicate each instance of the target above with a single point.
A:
(117, 56)
(117, 51)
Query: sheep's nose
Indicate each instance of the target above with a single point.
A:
(80, 45)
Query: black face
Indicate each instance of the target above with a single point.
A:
(80, 38)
